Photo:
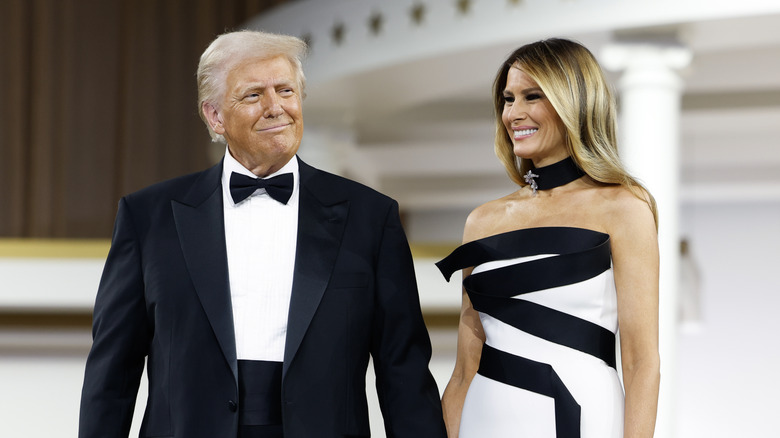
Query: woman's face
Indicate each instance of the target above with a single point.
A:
(536, 130)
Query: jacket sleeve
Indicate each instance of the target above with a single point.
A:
(401, 348)
(120, 333)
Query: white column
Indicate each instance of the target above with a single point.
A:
(649, 130)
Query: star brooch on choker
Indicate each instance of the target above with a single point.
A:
(529, 179)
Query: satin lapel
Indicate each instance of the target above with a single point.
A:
(321, 224)
(200, 224)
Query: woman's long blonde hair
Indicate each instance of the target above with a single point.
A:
(574, 83)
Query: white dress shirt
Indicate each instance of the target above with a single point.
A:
(261, 234)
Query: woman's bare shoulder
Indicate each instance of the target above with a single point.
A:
(624, 210)
(484, 220)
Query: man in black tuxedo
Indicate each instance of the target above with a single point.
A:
(257, 289)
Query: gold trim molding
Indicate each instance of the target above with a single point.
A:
(432, 250)
(54, 248)
(98, 248)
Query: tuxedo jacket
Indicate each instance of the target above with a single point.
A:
(164, 302)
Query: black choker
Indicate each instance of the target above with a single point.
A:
(554, 175)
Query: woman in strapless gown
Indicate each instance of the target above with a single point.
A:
(551, 271)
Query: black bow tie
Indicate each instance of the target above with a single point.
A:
(279, 187)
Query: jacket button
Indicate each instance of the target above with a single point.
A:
(232, 406)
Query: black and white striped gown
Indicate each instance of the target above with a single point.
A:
(546, 298)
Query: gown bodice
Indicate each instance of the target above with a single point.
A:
(547, 303)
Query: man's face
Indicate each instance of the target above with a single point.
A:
(260, 115)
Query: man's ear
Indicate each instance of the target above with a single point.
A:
(214, 118)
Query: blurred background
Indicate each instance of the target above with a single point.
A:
(98, 99)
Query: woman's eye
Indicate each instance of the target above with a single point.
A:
(509, 99)
(533, 96)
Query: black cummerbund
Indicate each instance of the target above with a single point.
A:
(259, 392)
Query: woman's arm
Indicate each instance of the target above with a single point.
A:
(471, 336)
(636, 265)
(470, 340)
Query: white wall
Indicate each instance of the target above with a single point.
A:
(728, 371)
(40, 382)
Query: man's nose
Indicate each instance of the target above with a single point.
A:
(272, 105)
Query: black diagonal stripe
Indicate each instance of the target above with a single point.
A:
(521, 243)
(542, 273)
(550, 324)
(536, 377)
